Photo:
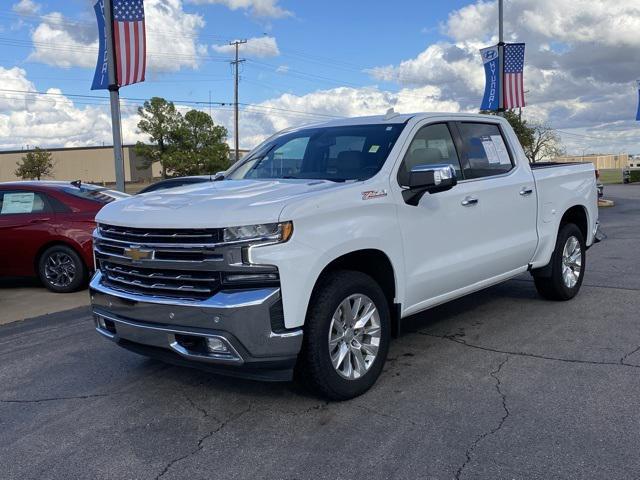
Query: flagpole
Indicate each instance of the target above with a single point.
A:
(501, 54)
(114, 95)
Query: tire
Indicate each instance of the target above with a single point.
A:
(323, 341)
(566, 274)
(62, 270)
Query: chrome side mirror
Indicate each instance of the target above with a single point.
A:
(433, 178)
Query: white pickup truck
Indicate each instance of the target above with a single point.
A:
(304, 257)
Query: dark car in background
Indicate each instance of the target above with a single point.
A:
(46, 231)
(176, 182)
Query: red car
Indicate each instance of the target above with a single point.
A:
(45, 231)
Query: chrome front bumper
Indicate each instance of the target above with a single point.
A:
(169, 328)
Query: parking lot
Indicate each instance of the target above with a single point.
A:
(500, 384)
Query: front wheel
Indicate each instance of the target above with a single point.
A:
(347, 334)
(62, 270)
(567, 266)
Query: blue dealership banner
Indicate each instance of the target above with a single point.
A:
(493, 82)
(638, 114)
(101, 77)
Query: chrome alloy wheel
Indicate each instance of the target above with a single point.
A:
(60, 270)
(571, 262)
(354, 336)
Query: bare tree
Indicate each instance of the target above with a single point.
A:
(545, 144)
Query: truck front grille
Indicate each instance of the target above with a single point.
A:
(161, 235)
(171, 283)
(190, 264)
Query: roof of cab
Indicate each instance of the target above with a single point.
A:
(390, 119)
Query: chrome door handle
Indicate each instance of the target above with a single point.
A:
(526, 191)
(469, 201)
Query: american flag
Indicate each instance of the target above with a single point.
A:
(130, 40)
(513, 81)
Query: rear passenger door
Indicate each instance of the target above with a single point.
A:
(25, 224)
(502, 197)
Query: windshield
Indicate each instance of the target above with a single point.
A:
(339, 154)
(97, 194)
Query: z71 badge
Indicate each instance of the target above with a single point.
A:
(371, 194)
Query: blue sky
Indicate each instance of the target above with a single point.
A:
(311, 60)
(333, 39)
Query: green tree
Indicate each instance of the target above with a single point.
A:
(199, 147)
(159, 120)
(35, 164)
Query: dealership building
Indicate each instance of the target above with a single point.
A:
(88, 164)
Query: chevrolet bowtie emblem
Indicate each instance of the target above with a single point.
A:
(138, 253)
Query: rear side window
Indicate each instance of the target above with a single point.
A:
(12, 203)
(432, 145)
(486, 150)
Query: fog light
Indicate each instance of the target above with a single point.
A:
(100, 323)
(215, 345)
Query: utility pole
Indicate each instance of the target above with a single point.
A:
(501, 54)
(236, 65)
(114, 95)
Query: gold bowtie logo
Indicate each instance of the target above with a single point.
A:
(137, 253)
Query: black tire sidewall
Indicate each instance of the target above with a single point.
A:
(331, 291)
(564, 292)
(81, 269)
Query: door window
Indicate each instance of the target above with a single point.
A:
(432, 145)
(486, 151)
(12, 203)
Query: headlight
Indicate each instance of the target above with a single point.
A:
(263, 233)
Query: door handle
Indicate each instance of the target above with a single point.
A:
(469, 201)
(526, 191)
(39, 220)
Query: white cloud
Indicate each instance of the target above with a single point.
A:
(26, 7)
(258, 8)
(258, 47)
(52, 120)
(171, 47)
(582, 57)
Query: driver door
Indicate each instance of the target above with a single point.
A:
(436, 233)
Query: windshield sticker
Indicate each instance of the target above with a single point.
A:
(371, 194)
(374, 149)
(18, 203)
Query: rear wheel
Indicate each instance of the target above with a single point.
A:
(567, 266)
(347, 334)
(62, 270)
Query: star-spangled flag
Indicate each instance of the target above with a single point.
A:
(513, 75)
(130, 41)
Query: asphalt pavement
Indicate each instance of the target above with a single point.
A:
(498, 385)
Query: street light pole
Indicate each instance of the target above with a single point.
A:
(501, 54)
(114, 95)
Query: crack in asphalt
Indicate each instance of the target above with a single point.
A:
(201, 440)
(494, 374)
(454, 339)
(624, 358)
(54, 399)
(391, 417)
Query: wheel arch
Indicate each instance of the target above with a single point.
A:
(376, 264)
(579, 216)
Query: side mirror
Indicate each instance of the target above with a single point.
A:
(429, 178)
(218, 176)
(432, 178)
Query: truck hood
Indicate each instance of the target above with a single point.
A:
(212, 204)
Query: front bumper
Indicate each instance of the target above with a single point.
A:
(177, 331)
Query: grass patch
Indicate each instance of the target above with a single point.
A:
(612, 175)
